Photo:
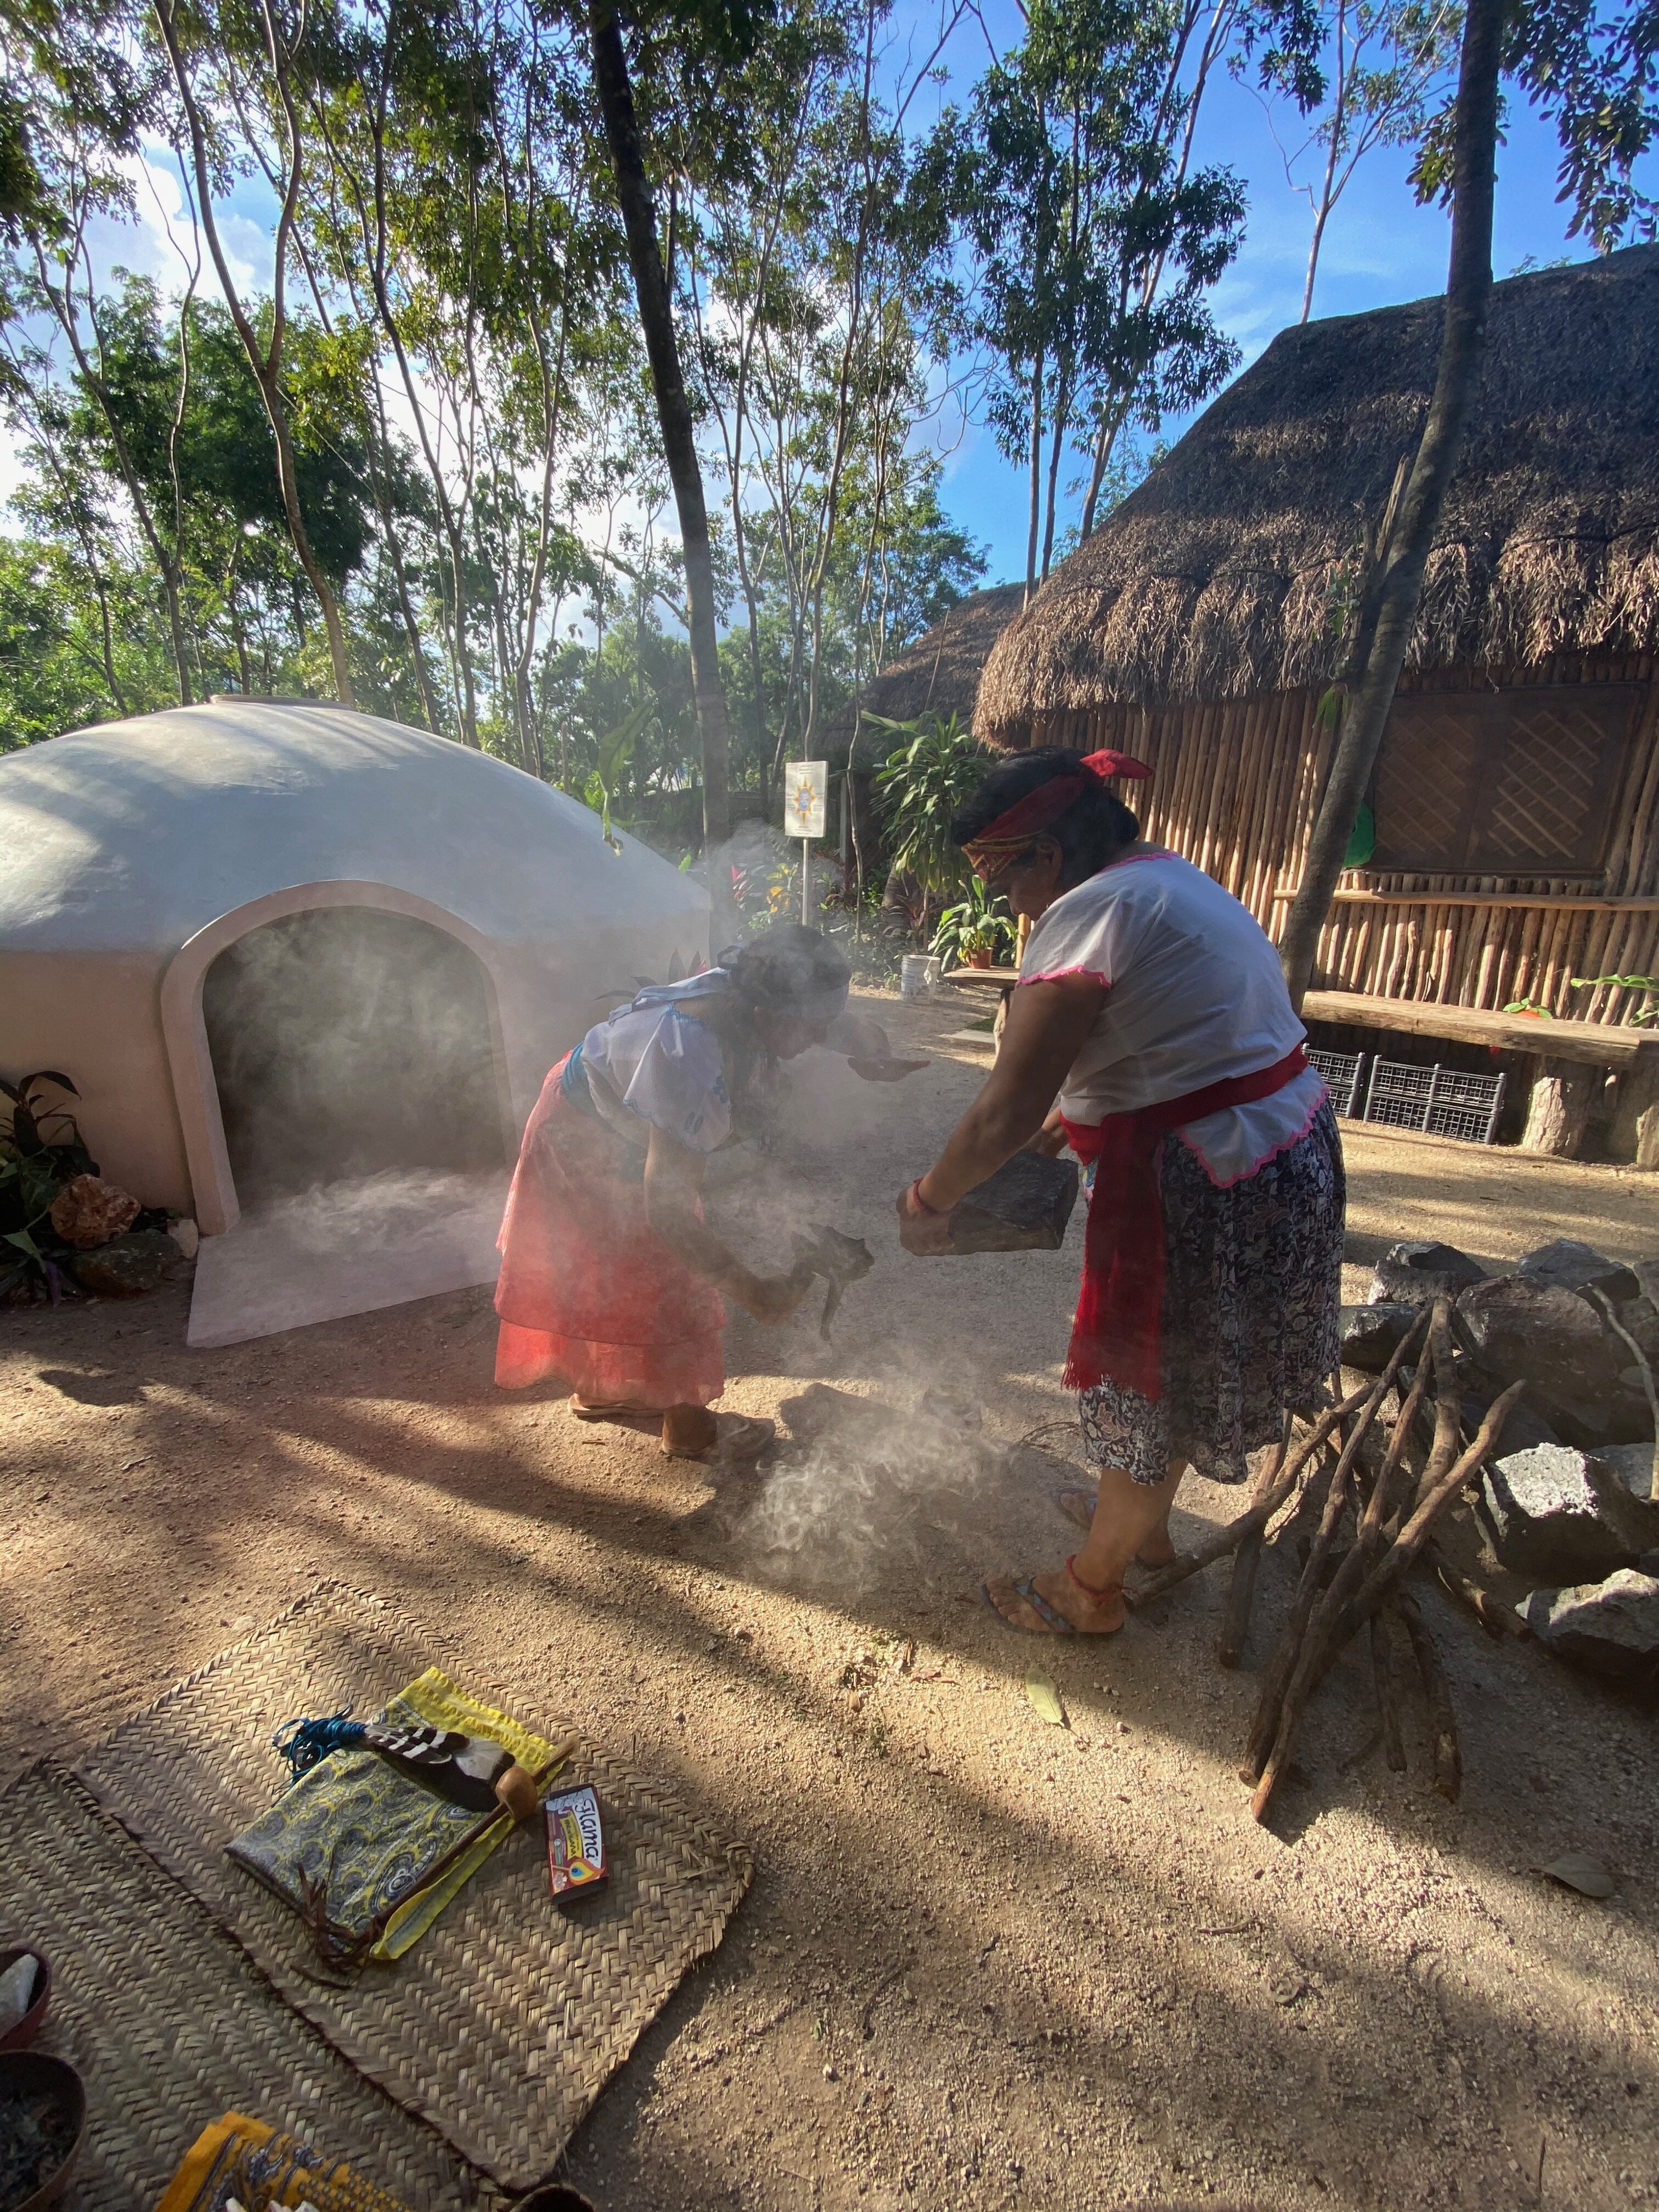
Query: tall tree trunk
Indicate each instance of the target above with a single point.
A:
(266, 362)
(673, 410)
(1062, 408)
(1462, 349)
(1326, 190)
(1037, 481)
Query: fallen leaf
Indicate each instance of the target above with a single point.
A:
(1574, 1871)
(1045, 1697)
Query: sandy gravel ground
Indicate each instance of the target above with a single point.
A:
(986, 1961)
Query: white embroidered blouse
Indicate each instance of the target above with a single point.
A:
(1194, 994)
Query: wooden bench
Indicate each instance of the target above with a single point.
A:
(1566, 1052)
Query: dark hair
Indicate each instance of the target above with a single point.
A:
(791, 970)
(1093, 828)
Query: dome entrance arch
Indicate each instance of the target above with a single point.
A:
(331, 1033)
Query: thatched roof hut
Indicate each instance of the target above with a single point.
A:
(941, 669)
(1515, 801)
(1230, 571)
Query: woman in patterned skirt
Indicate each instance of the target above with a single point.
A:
(1152, 1006)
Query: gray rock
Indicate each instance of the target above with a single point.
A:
(1570, 1265)
(1371, 1335)
(1524, 1424)
(1641, 1318)
(1610, 1628)
(1560, 1515)
(1633, 1464)
(1412, 1272)
(1597, 1423)
(1536, 1332)
(126, 1267)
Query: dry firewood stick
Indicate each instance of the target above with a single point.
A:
(1227, 1539)
(1396, 1562)
(1498, 1619)
(1443, 1717)
(1641, 1359)
(1390, 1570)
(1388, 1689)
(1281, 1668)
(1241, 1590)
(1439, 1358)
(1335, 1623)
(1309, 1500)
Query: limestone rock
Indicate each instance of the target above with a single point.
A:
(1610, 1628)
(1520, 1329)
(1412, 1272)
(128, 1267)
(1371, 1335)
(1557, 1514)
(88, 1210)
(1570, 1265)
(187, 1235)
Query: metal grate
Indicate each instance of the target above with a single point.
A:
(1441, 1101)
(1344, 1076)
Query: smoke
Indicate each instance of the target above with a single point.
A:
(349, 1044)
(868, 1487)
(403, 1207)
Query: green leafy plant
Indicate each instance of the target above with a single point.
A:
(616, 749)
(1647, 1014)
(40, 1150)
(922, 784)
(980, 923)
(1533, 1007)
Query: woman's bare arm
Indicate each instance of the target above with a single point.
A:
(673, 1184)
(1046, 1027)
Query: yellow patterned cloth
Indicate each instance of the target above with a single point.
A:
(242, 2159)
(360, 1839)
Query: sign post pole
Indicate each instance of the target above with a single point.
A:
(806, 803)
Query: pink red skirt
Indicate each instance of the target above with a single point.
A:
(589, 1294)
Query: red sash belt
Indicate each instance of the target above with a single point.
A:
(1120, 1313)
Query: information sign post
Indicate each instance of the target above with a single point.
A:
(805, 806)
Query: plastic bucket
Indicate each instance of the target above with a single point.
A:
(919, 972)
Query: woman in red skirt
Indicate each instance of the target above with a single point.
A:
(612, 1280)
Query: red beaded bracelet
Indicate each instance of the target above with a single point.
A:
(938, 1212)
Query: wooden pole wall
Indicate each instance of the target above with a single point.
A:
(1235, 786)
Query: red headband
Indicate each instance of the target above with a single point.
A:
(1034, 813)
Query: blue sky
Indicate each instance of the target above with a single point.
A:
(1380, 248)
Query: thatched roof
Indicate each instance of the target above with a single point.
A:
(1231, 570)
(941, 669)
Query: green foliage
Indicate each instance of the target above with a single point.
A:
(40, 1150)
(980, 923)
(1097, 243)
(921, 785)
(1647, 1014)
(615, 747)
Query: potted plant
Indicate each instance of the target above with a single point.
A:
(973, 932)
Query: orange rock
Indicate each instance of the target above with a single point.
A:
(89, 1211)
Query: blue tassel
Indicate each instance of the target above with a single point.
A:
(303, 1742)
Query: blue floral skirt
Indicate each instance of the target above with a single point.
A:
(1252, 1299)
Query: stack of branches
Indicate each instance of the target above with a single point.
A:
(1372, 1487)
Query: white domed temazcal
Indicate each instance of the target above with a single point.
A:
(284, 949)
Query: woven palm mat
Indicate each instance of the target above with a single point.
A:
(171, 2024)
(506, 2020)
